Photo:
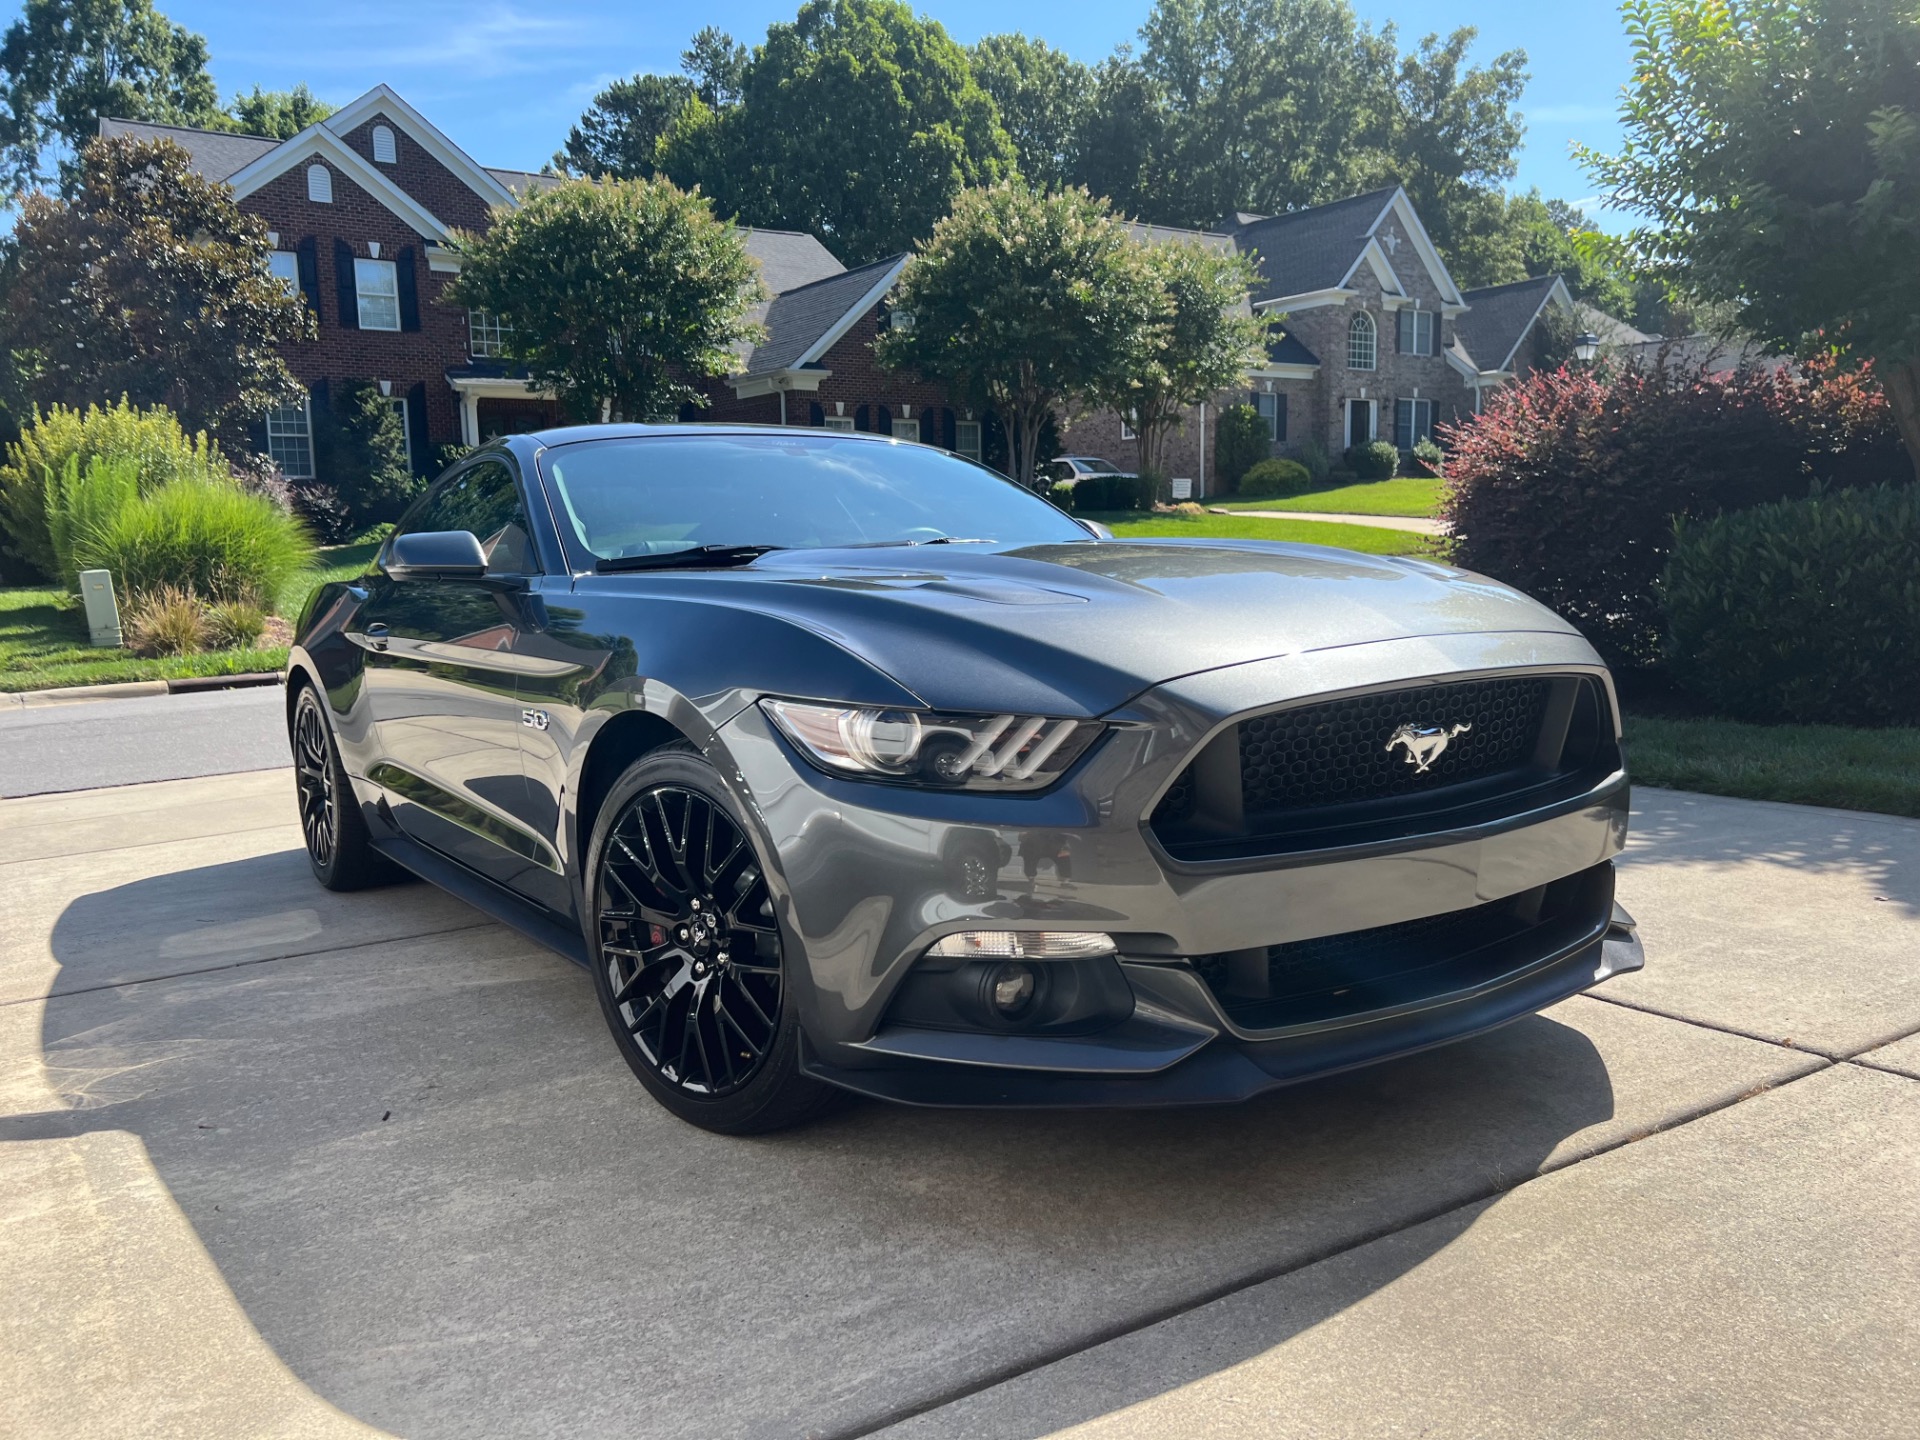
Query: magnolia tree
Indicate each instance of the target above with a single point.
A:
(1027, 305)
(1207, 338)
(619, 293)
(1773, 149)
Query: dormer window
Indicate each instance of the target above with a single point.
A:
(1362, 342)
(384, 149)
(319, 185)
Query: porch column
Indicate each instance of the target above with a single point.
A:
(469, 417)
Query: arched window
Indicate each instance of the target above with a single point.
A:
(383, 149)
(1362, 342)
(320, 184)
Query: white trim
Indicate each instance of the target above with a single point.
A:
(779, 382)
(384, 100)
(317, 140)
(839, 424)
(472, 389)
(1284, 372)
(306, 438)
(361, 291)
(399, 402)
(1308, 299)
(846, 322)
(1346, 421)
(443, 260)
(1382, 268)
(1423, 246)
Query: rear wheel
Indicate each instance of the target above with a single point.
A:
(338, 846)
(688, 958)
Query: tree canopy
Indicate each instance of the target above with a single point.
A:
(1043, 96)
(1025, 304)
(278, 114)
(150, 283)
(619, 293)
(1772, 151)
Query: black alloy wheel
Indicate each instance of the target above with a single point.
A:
(338, 846)
(689, 941)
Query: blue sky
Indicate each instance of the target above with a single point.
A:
(504, 78)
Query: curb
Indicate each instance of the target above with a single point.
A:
(140, 689)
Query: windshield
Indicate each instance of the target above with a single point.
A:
(656, 495)
(1098, 467)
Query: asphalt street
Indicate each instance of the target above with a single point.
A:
(49, 748)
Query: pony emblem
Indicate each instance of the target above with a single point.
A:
(1425, 743)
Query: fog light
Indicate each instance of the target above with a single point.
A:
(1022, 945)
(1012, 989)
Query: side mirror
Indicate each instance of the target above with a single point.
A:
(435, 555)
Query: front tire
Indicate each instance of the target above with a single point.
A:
(338, 846)
(687, 954)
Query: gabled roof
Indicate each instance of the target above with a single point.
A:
(790, 258)
(385, 100)
(1285, 348)
(214, 154)
(803, 323)
(1498, 317)
(1314, 249)
(317, 142)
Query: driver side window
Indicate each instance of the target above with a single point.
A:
(485, 500)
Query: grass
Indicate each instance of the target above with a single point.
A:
(1834, 765)
(43, 637)
(1367, 539)
(1412, 497)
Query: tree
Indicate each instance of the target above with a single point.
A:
(361, 448)
(150, 283)
(1536, 237)
(1024, 304)
(66, 63)
(1043, 95)
(1772, 149)
(1207, 338)
(718, 66)
(620, 132)
(859, 122)
(1120, 151)
(620, 293)
(277, 114)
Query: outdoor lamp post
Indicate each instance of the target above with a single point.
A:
(1586, 345)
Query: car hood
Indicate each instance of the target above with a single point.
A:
(1084, 627)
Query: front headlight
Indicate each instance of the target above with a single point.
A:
(926, 747)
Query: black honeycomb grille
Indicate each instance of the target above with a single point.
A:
(1337, 753)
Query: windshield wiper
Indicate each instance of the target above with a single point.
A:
(696, 557)
(906, 544)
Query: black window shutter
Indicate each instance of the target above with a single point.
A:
(408, 287)
(421, 457)
(307, 261)
(949, 435)
(1403, 336)
(1403, 424)
(816, 416)
(862, 419)
(343, 282)
(1279, 417)
(883, 421)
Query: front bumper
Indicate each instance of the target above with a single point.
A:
(870, 875)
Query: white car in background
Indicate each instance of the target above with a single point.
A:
(1072, 469)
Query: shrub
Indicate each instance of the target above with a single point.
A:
(1314, 456)
(445, 455)
(1112, 492)
(374, 534)
(166, 620)
(1801, 610)
(235, 624)
(81, 502)
(1239, 443)
(361, 449)
(1276, 477)
(152, 440)
(1428, 456)
(1568, 484)
(205, 536)
(1376, 460)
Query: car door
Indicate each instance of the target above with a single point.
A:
(442, 678)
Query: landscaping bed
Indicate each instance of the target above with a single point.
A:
(1127, 524)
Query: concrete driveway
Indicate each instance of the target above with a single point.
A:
(280, 1162)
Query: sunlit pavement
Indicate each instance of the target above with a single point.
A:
(282, 1162)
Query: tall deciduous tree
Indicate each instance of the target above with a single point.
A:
(66, 63)
(1043, 96)
(1207, 339)
(150, 283)
(1772, 149)
(620, 293)
(859, 122)
(1025, 304)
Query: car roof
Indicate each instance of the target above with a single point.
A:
(574, 434)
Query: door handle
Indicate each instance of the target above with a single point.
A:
(377, 635)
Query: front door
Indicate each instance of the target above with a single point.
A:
(1359, 422)
(442, 675)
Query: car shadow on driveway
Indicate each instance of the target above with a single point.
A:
(440, 1197)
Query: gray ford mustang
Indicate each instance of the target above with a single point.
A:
(844, 764)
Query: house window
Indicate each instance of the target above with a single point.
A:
(285, 266)
(1412, 422)
(399, 405)
(486, 335)
(906, 429)
(1126, 428)
(839, 422)
(1417, 332)
(966, 438)
(378, 287)
(1361, 342)
(319, 184)
(1273, 410)
(383, 148)
(290, 439)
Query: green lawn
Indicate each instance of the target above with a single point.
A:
(1800, 764)
(43, 637)
(1365, 538)
(1418, 498)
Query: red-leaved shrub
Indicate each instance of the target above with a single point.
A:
(1567, 486)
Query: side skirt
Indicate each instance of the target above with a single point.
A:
(530, 920)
